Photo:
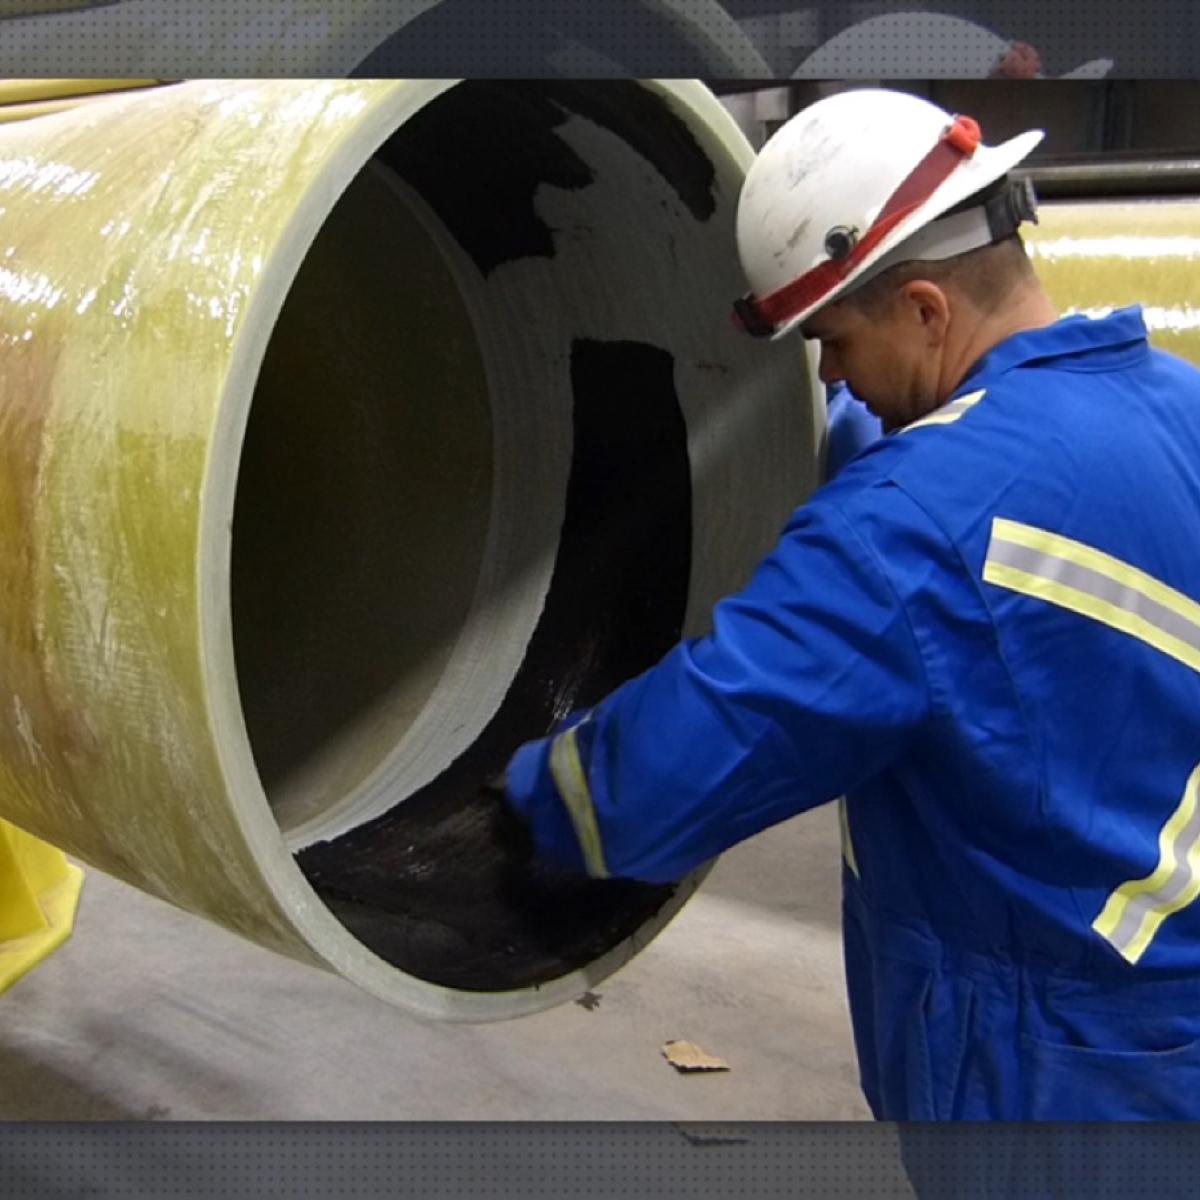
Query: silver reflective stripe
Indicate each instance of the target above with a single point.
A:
(1082, 579)
(1134, 912)
(948, 413)
(566, 769)
(1093, 583)
(847, 841)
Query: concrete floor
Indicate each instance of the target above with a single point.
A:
(150, 1013)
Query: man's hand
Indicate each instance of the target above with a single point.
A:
(511, 833)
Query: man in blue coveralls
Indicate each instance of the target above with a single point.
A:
(984, 633)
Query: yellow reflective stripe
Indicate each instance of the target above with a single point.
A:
(1087, 581)
(1104, 564)
(566, 769)
(948, 413)
(1088, 606)
(1084, 580)
(1133, 913)
(847, 841)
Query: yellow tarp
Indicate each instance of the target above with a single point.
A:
(39, 892)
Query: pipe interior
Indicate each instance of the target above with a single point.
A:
(369, 530)
(363, 503)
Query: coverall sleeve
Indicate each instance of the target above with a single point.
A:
(810, 683)
(852, 427)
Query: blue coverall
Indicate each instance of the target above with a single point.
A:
(985, 633)
(851, 428)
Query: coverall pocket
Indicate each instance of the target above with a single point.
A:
(1083, 1083)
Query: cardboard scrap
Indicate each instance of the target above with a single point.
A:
(687, 1056)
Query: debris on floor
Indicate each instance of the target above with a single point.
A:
(687, 1057)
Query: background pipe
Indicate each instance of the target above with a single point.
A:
(1096, 256)
(350, 433)
(1113, 176)
(24, 99)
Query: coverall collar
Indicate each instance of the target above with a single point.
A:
(1117, 337)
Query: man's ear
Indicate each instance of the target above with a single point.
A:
(927, 308)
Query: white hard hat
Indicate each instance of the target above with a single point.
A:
(837, 195)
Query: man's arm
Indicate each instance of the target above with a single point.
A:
(810, 683)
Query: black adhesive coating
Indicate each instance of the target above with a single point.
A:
(443, 886)
(647, 125)
(459, 153)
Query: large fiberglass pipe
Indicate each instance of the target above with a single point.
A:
(350, 434)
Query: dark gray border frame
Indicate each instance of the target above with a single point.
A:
(585, 1160)
(767, 39)
(599, 1161)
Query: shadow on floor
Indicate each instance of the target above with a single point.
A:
(35, 1089)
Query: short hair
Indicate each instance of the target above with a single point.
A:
(985, 276)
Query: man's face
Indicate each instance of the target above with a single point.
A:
(885, 357)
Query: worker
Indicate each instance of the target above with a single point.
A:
(984, 634)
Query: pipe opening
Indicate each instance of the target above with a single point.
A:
(465, 507)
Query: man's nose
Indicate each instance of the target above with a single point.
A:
(828, 370)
